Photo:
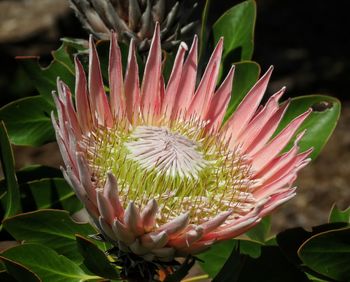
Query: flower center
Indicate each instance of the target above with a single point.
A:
(169, 153)
(176, 163)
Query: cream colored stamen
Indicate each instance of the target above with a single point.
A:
(169, 153)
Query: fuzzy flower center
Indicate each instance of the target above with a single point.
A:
(177, 163)
(167, 152)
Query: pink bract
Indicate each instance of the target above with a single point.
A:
(158, 171)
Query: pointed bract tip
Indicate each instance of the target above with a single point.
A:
(231, 71)
(110, 173)
(194, 42)
(132, 46)
(77, 63)
(268, 73)
(183, 45)
(156, 35)
(299, 136)
(91, 40)
(152, 203)
(195, 39)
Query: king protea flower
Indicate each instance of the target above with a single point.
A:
(136, 19)
(158, 171)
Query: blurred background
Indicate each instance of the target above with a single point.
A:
(306, 41)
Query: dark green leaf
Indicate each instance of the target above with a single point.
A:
(52, 228)
(6, 277)
(45, 79)
(261, 231)
(237, 27)
(37, 172)
(168, 63)
(271, 266)
(39, 192)
(338, 215)
(315, 279)
(79, 45)
(231, 268)
(246, 74)
(29, 118)
(320, 124)
(28, 121)
(204, 28)
(13, 204)
(64, 58)
(250, 248)
(182, 271)
(216, 256)
(328, 253)
(95, 260)
(18, 271)
(290, 240)
(46, 263)
(53, 193)
(30, 173)
(103, 49)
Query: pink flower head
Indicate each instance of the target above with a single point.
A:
(156, 168)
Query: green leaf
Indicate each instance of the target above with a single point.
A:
(315, 279)
(250, 248)
(237, 27)
(38, 192)
(320, 124)
(79, 45)
(261, 231)
(338, 215)
(182, 271)
(103, 49)
(29, 118)
(46, 263)
(270, 266)
(28, 121)
(6, 277)
(49, 193)
(31, 173)
(216, 256)
(95, 260)
(204, 26)
(37, 172)
(52, 228)
(246, 74)
(167, 66)
(13, 204)
(18, 271)
(44, 78)
(231, 268)
(290, 240)
(328, 253)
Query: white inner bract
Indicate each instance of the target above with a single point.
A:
(169, 153)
